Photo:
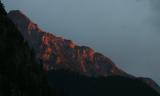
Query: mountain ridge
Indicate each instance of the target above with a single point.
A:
(81, 58)
(58, 53)
(20, 75)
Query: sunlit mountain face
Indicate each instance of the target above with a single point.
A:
(127, 31)
(59, 53)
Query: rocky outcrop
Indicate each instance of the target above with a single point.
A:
(59, 53)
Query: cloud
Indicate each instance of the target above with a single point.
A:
(155, 5)
(155, 12)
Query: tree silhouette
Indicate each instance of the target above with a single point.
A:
(2, 8)
(1, 5)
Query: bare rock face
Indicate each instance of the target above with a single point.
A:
(59, 53)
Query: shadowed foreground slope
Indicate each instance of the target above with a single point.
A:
(20, 75)
(73, 84)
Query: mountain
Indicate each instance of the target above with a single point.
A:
(20, 75)
(59, 53)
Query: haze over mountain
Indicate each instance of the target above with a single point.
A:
(127, 31)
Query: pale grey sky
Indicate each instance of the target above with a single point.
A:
(127, 31)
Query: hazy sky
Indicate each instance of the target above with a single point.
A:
(127, 31)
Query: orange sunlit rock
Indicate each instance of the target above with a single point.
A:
(47, 53)
(48, 50)
(58, 60)
(45, 40)
(71, 45)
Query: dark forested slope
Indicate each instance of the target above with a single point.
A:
(73, 84)
(20, 75)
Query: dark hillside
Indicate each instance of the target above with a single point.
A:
(20, 75)
(73, 84)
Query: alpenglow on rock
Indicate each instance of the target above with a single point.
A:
(59, 53)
